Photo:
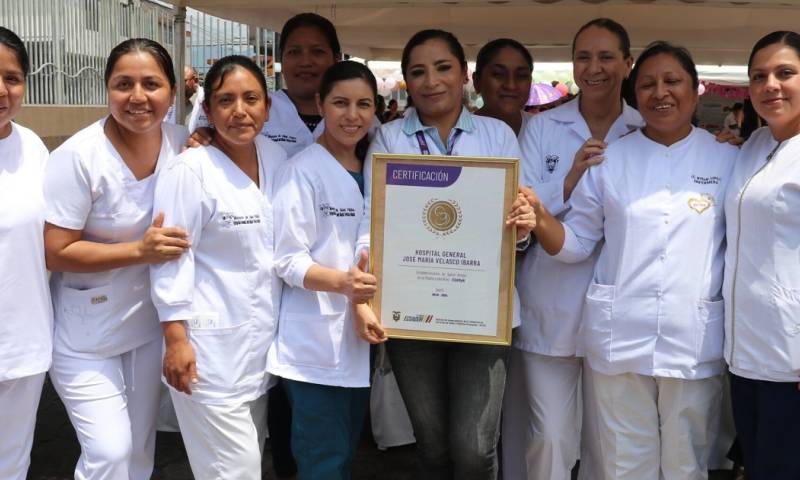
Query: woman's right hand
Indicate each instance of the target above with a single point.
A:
(162, 244)
(179, 367)
(358, 285)
(200, 138)
(590, 154)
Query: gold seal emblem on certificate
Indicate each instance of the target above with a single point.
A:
(442, 217)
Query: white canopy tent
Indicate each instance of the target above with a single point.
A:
(717, 32)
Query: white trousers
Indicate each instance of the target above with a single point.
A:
(19, 400)
(548, 412)
(222, 442)
(655, 428)
(113, 405)
(541, 418)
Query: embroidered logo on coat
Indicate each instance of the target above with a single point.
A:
(230, 220)
(328, 210)
(702, 203)
(551, 161)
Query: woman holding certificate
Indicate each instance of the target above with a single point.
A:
(453, 391)
(652, 316)
(322, 356)
(542, 407)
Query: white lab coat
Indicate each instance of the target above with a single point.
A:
(762, 262)
(552, 292)
(26, 314)
(224, 286)
(317, 213)
(654, 306)
(89, 187)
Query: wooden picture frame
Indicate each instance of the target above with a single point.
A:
(440, 249)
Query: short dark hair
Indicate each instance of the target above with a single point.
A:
(613, 27)
(658, 47)
(736, 107)
(347, 70)
(433, 34)
(784, 37)
(11, 41)
(319, 22)
(225, 65)
(488, 51)
(159, 54)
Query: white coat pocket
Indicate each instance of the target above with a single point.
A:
(85, 317)
(710, 330)
(787, 305)
(222, 354)
(597, 321)
(311, 340)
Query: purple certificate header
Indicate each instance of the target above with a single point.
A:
(437, 176)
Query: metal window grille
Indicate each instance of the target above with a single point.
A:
(68, 42)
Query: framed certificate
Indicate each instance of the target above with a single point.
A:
(440, 249)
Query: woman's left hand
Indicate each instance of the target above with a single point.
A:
(522, 214)
(367, 325)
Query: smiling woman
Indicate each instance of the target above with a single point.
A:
(100, 238)
(652, 341)
(26, 316)
(558, 147)
(218, 304)
(762, 273)
(503, 78)
(446, 385)
(322, 347)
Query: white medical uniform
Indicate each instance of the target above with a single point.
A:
(652, 318)
(26, 314)
(284, 127)
(543, 403)
(225, 290)
(762, 273)
(107, 338)
(317, 214)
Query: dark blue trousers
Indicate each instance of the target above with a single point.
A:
(326, 428)
(767, 418)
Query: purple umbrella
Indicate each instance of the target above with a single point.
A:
(542, 94)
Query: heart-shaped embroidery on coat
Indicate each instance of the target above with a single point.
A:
(702, 203)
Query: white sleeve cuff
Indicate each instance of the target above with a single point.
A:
(573, 250)
(296, 274)
(171, 313)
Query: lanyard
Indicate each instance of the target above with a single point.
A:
(423, 144)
